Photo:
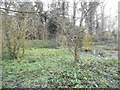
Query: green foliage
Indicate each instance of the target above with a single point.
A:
(28, 44)
(40, 44)
(93, 75)
(49, 68)
(87, 41)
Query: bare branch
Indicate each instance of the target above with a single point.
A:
(18, 11)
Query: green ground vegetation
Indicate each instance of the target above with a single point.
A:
(50, 68)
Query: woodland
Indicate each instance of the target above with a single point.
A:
(60, 45)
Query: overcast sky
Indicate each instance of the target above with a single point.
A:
(111, 6)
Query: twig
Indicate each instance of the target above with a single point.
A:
(18, 11)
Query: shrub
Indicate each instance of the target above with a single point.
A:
(40, 44)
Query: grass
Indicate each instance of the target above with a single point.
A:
(43, 67)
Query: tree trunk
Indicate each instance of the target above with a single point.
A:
(77, 57)
(8, 43)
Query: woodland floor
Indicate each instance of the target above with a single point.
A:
(44, 67)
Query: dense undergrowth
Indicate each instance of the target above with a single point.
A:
(43, 67)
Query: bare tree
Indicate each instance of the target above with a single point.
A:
(14, 32)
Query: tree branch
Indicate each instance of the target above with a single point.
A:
(18, 11)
